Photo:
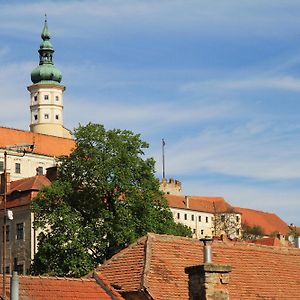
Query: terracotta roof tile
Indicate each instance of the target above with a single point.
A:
(269, 222)
(258, 272)
(43, 144)
(43, 288)
(34, 183)
(199, 203)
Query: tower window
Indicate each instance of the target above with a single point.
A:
(35, 117)
(35, 98)
(56, 98)
(46, 116)
(17, 168)
(56, 117)
(46, 97)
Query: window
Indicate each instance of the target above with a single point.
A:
(185, 216)
(20, 231)
(238, 232)
(192, 217)
(1, 166)
(194, 230)
(56, 98)
(7, 271)
(46, 97)
(56, 117)
(206, 219)
(222, 218)
(202, 231)
(46, 116)
(199, 218)
(212, 219)
(35, 98)
(35, 117)
(39, 171)
(212, 232)
(178, 216)
(237, 219)
(20, 269)
(17, 168)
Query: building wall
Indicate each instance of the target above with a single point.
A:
(208, 224)
(28, 164)
(18, 250)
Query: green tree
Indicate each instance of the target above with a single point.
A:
(251, 233)
(106, 196)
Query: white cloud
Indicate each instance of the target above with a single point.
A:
(280, 82)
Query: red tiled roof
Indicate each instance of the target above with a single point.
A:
(199, 203)
(34, 183)
(43, 144)
(28, 188)
(43, 288)
(269, 222)
(268, 241)
(258, 272)
(132, 265)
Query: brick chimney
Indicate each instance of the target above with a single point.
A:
(51, 173)
(3, 182)
(208, 281)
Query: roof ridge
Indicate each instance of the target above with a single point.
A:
(147, 261)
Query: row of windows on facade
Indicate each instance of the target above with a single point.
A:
(39, 170)
(46, 117)
(46, 97)
(19, 232)
(206, 218)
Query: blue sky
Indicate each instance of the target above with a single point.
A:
(218, 80)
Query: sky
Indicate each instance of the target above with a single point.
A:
(218, 80)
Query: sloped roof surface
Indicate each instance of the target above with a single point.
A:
(258, 272)
(199, 203)
(34, 183)
(269, 222)
(129, 261)
(43, 144)
(43, 288)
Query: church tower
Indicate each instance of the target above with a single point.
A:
(46, 93)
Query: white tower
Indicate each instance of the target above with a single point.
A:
(46, 93)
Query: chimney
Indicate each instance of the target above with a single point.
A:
(51, 173)
(3, 182)
(208, 281)
(14, 286)
(187, 201)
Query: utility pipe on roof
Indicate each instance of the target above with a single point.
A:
(14, 286)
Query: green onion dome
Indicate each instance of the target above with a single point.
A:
(46, 72)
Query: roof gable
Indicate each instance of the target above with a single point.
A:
(34, 183)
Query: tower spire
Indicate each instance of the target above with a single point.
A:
(46, 92)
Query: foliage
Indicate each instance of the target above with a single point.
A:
(106, 196)
(252, 233)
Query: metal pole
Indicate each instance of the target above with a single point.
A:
(4, 227)
(163, 158)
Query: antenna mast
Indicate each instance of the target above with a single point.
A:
(163, 158)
